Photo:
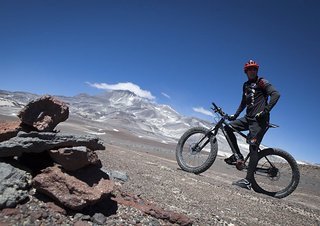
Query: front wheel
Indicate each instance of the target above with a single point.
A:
(277, 173)
(196, 150)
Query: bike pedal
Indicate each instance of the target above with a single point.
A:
(240, 165)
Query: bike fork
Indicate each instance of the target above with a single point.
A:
(208, 135)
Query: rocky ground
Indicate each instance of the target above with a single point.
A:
(209, 198)
(154, 177)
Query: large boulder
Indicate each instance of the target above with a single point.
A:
(36, 142)
(44, 114)
(70, 191)
(75, 158)
(14, 185)
(9, 130)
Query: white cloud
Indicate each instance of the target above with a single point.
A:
(166, 95)
(203, 111)
(124, 86)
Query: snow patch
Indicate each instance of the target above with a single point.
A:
(8, 103)
(95, 133)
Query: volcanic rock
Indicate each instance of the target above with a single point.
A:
(151, 209)
(44, 114)
(9, 130)
(14, 185)
(75, 158)
(36, 142)
(70, 191)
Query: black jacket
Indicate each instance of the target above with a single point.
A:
(255, 97)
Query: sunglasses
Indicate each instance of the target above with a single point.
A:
(252, 69)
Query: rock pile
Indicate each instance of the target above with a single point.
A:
(61, 154)
(63, 167)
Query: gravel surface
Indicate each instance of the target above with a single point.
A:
(154, 176)
(209, 198)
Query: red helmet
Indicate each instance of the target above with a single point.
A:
(250, 63)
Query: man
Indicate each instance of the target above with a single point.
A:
(256, 92)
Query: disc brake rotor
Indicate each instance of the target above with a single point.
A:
(273, 173)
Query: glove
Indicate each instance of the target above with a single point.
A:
(232, 117)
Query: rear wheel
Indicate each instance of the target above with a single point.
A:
(196, 150)
(277, 173)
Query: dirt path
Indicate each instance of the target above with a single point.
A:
(210, 198)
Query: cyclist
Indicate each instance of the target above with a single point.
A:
(255, 98)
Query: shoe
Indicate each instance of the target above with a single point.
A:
(232, 160)
(243, 183)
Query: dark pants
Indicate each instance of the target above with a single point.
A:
(257, 129)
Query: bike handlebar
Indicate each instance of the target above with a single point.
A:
(218, 110)
(215, 106)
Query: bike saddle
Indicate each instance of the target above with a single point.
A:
(271, 125)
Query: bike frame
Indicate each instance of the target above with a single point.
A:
(221, 125)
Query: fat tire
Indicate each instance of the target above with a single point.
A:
(295, 173)
(211, 157)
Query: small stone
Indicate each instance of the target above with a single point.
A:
(78, 216)
(99, 218)
(113, 174)
(35, 215)
(86, 217)
(81, 223)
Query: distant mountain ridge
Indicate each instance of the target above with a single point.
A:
(121, 109)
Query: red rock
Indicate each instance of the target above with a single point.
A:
(9, 130)
(44, 114)
(10, 211)
(75, 158)
(52, 206)
(81, 223)
(152, 209)
(35, 216)
(70, 191)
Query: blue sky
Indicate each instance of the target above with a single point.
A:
(180, 52)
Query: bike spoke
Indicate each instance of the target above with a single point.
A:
(273, 173)
(192, 153)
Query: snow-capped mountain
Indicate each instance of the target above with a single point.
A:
(121, 109)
